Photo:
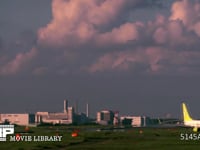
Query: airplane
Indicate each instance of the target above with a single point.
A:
(188, 120)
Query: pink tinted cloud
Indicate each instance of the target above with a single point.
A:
(158, 60)
(155, 55)
(127, 60)
(106, 11)
(183, 10)
(160, 35)
(77, 21)
(171, 32)
(18, 63)
(175, 33)
(188, 12)
(197, 28)
(125, 33)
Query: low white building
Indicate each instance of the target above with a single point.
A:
(66, 117)
(19, 119)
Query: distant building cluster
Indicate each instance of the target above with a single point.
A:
(108, 117)
(68, 116)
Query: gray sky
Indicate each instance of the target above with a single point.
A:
(139, 57)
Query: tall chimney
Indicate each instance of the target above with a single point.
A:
(65, 105)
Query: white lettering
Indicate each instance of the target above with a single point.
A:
(5, 130)
(182, 137)
(47, 138)
(12, 138)
(36, 138)
(26, 138)
(189, 136)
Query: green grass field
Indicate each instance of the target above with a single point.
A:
(130, 139)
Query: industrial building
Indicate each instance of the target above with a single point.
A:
(105, 117)
(19, 119)
(68, 116)
(135, 121)
(108, 117)
(65, 117)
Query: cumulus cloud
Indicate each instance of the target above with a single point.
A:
(183, 10)
(188, 12)
(78, 22)
(160, 35)
(18, 63)
(125, 60)
(155, 59)
(116, 61)
(125, 33)
(159, 45)
(197, 28)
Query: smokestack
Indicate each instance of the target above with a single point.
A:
(87, 110)
(65, 105)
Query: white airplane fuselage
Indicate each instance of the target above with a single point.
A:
(192, 123)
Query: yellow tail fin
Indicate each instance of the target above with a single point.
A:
(186, 115)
